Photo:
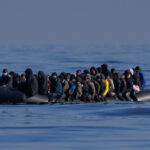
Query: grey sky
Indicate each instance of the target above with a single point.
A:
(74, 21)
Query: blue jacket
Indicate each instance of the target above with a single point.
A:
(72, 86)
(59, 87)
(142, 79)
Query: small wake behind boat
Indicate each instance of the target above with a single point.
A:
(14, 96)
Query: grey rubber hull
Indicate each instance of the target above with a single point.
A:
(11, 95)
(14, 96)
(143, 95)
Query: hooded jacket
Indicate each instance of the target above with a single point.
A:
(42, 83)
(31, 84)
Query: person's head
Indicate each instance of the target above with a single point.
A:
(113, 71)
(73, 78)
(12, 74)
(86, 78)
(48, 78)
(104, 67)
(40, 74)
(28, 72)
(107, 77)
(127, 74)
(99, 69)
(93, 71)
(62, 75)
(122, 76)
(116, 75)
(102, 77)
(5, 72)
(86, 71)
(137, 68)
(23, 76)
(54, 75)
(67, 77)
(78, 72)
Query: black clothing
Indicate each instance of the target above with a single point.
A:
(6, 80)
(136, 78)
(130, 89)
(30, 86)
(86, 92)
(16, 80)
(105, 70)
(56, 86)
(42, 83)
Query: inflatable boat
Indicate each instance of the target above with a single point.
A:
(13, 96)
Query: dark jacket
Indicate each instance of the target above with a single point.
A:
(42, 83)
(129, 82)
(31, 84)
(56, 86)
(142, 79)
(86, 88)
(136, 78)
(123, 86)
(6, 80)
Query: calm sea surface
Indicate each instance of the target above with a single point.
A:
(111, 126)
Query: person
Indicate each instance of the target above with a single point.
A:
(56, 88)
(86, 96)
(89, 91)
(105, 69)
(30, 85)
(111, 89)
(117, 84)
(92, 87)
(6, 79)
(79, 90)
(99, 70)
(113, 71)
(22, 83)
(48, 83)
(136, 77)
(129, 91)
(106, 85)
(123, 88)
(42, 83)
(72, 87)
(99, 86)
(142, 76)
(93, 72)
(79, 76)
(15, 79)
(65, 87)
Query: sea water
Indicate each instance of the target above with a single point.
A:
(112, 125)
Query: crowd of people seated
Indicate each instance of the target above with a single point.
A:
(96, 84)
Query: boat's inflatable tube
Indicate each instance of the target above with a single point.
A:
(11, 96)
(37, 99)
(143, 95)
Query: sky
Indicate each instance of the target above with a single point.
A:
(74, 22)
